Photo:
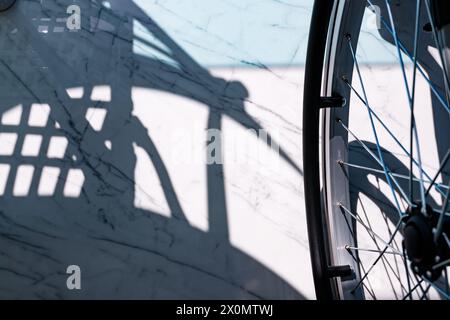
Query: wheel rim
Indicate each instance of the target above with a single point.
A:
(355, 239)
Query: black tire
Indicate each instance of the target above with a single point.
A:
(314, 212)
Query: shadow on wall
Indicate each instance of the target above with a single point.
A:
(67, 186)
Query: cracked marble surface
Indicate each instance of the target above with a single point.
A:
(103, 146)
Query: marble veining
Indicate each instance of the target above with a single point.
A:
(103, 141)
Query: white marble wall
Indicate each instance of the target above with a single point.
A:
(102, 165)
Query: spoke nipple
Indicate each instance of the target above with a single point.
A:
(416, 269)
(340, 162)
(348, 36)
(437, 259)
(338, 120)
(429, 274)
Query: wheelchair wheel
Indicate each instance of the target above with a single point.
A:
(376, 149)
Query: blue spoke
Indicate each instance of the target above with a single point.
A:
(397, 175)
(385, 169)
(410, 100)
(441, 291)
(412, 123)
(440, 224)
(419, 68)
(380, 154)
(438, 45)
(441, 167)
(393, 136)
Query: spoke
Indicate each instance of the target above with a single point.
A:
(446, 239)
(397, 228)
(385, 261)
(359, 261)
(368, 229)
(412, 124)
(425, 293)
(380, 154)
(386, 221)
(442, 292)
(371, 250)
(419, 68)
(397, 175)
(415, 161)
(446, 281)
(420, 284)
(369, 285)
(447, 214)
(413, 289)
(391, 134)
(389, 173)
(441, 167)
(440, 224)
(411, 104)
(446, 81)
(438, 45)
(442, 264)
(405, 263)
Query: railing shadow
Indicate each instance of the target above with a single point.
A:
(76, 206)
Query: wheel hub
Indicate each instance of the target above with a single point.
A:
(423, 251)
